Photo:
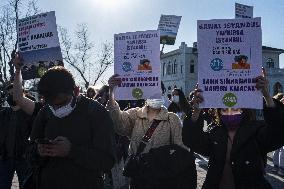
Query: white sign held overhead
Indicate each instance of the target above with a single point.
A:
(38, 44)
(229, 58)
(137, 61)
(168, 27)
(243, 11)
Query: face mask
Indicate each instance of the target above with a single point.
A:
(10, 100)
(155, 103)
(175, 99)
(231, 121)
(64, 110)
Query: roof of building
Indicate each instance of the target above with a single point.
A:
(272, 49)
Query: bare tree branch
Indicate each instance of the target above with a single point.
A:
(78, 53)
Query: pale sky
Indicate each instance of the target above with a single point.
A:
(107, 17)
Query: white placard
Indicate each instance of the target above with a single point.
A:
(38, 44)
(229, 58)
(38, 32)
(137, 61)
(243, 11)
(168, 27)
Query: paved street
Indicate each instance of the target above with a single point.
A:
(276, 181)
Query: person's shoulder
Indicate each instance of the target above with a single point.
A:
(91, 105)
(173, 117)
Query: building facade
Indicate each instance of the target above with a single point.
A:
(179, 68)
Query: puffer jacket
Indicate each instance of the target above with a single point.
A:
(252, 141)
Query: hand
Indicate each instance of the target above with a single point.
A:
(60, 147)
(262, 84)
(114, 81)
(197, 98)
(17, 61)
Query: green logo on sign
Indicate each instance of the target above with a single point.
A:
(137, 93)
(230, 100)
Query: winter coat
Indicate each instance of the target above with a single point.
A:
(134, 124)
(252, 141)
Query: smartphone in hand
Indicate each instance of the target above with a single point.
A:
(43, 141)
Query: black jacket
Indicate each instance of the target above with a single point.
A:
(15, 129)
(89, 128)
(252, 141)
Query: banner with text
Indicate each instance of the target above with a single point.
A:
(229, 58)
(168, 27)
(137, 61)
(38, 43)
(243, 11)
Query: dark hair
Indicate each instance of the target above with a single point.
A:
(89, 90)
(144, 61)
(173, 107)
(103, 89)
(183, 103)
(238, 58)
(55, 81)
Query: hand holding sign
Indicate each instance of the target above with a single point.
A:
(262, 85)
(17, 61)
(113, 82)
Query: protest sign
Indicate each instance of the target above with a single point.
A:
(229, 60)
(243, 11)
(38, 44)
(137, 61)
(168, 27)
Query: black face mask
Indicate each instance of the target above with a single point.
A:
(11, 101)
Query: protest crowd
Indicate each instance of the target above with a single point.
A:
(101, 139)
(72, 140)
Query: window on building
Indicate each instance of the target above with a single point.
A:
(270, 63)
(175, 66)
(181, 68)
(169, 69)
(191, 68)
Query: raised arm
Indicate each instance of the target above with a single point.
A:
(27, 105)
(193, 135)
(123, 120)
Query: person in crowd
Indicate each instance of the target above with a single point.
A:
(134, 122)
(15, 129)
(102, 95)
(91, 92)
(237, 145)
(165, 98)
(179, 105)
(278, 155)
(73, 145)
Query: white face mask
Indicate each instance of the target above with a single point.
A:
(175, 98)
(64, 110)
(155, 103)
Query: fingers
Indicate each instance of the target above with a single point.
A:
(114, 81)
(263, 72)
